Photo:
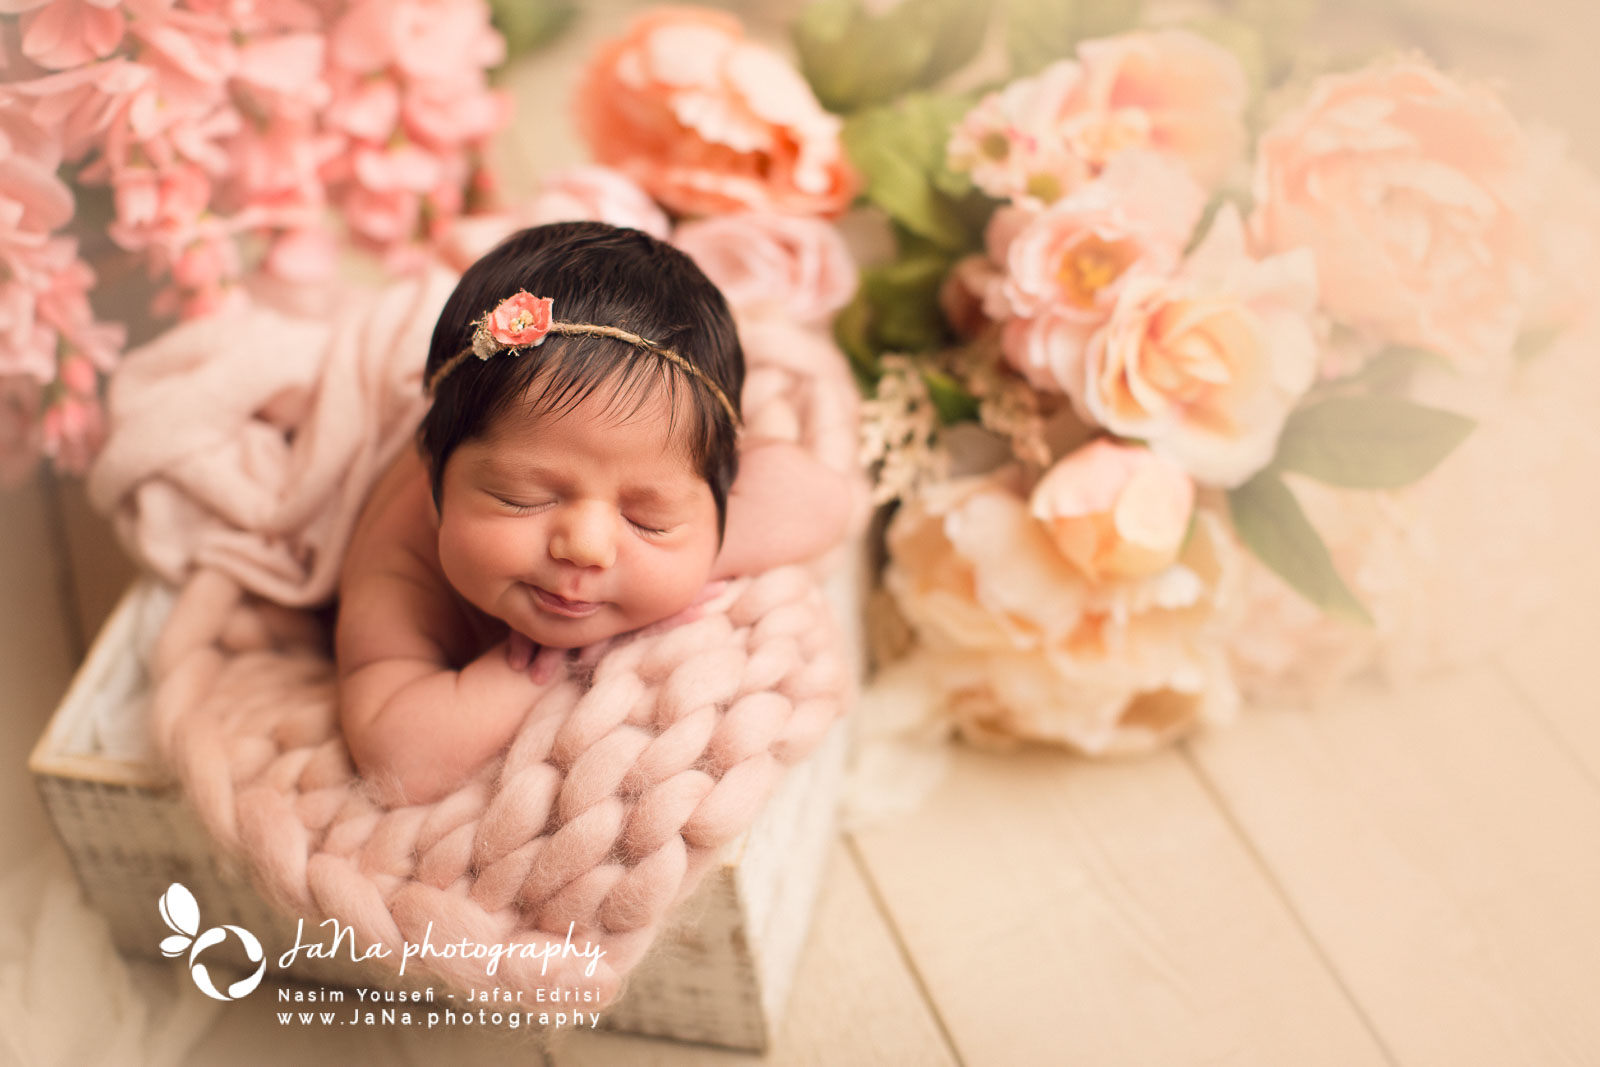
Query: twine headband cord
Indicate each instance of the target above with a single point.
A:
(523, 321)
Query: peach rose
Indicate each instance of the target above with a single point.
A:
(1040, 138)
(760, 260)
(1410, 189)
(1138, 213)
(708, 122)
(1025, 646)
(1172, 91)
(1115, 511)
(1206, 366)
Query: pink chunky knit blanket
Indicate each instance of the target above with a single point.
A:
(238, 458)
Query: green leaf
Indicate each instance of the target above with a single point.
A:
(852, 330)
(904, 298)
(1368, 442)
(900, 151)
(1534, 343)
(529, 25)
(1039, 32)
(953, 403)
(854, 59)
(1390, 371)
(1271, 524)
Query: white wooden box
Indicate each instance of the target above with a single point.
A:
(719, 973)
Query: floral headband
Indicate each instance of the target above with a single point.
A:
(523, 320)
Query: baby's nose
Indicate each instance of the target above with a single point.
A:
(586, 535)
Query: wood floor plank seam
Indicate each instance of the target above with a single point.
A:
(878, 901)
(1276, 885)
(1552, 730)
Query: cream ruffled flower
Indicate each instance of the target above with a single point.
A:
(1024, 646)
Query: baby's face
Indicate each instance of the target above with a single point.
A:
(576, 527)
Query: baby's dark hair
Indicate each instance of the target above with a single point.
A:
(604, 275)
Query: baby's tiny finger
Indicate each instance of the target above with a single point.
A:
(545, 663)
(519, 651)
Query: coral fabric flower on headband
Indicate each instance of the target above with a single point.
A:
(519, 320)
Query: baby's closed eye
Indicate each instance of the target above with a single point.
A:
(521, 507)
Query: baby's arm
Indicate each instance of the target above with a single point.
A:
(416, 728)
(784, 507)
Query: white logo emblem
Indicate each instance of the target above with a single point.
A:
(182, 914)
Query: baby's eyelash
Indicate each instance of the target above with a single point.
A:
(519, 509)
(642, 528)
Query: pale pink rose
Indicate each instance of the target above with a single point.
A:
(1025, 646)
(761, 260)
(1012, 145)
(1171, 90)
(1206, 366)
(1136, 216)
(598, 194)
(1115, 511)
(80, 104)
(1048, 349)
(1411, 190)
(21, 437)
(63, 34)
(708, 122)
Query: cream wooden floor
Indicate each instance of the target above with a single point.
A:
(1405, 878)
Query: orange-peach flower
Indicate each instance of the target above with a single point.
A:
(1206, 366)
(709, 122)
(519, 319)
(1412, 191)
(1025, 646)
(1114, 510)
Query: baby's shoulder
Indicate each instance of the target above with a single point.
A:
(394, 601)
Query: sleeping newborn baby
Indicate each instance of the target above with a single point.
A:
(574, 482)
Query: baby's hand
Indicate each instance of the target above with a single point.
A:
(540, 663)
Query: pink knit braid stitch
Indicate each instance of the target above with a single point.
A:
(609, 805)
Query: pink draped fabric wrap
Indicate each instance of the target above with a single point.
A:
(241, 450)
